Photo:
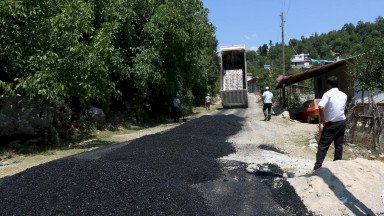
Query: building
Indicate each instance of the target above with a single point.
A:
(301, 61)
(267, 67)
(320, 76)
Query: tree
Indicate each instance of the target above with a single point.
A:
(263, 50)
(368, 68)
(120, 55)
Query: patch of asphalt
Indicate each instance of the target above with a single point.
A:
(282, 192)
(95, 187)
(177, 172)
(237, 192)
(152, 175)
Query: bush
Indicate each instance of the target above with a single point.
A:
(22, 120)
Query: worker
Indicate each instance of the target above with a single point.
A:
(208, 102)
(267, 100)
(332, 116)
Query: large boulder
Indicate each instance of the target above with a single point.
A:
(96, 116)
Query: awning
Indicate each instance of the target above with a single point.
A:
(289, 80)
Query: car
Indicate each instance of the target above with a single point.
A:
(309, 111)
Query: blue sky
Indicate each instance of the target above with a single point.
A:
(255, 22)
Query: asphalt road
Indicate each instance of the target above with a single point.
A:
(177, 172)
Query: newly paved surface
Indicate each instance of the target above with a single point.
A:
(177, 172)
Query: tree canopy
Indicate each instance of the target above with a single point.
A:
(349, 41)
(116, 54)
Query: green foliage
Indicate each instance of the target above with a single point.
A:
(368, 68)
(116, 54)
(350, 41)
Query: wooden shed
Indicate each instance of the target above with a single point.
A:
(320, 76)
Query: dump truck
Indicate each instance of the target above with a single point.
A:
(233, 77)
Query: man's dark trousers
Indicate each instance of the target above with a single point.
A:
(267, 106)
(332, 131)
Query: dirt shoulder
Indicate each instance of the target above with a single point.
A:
(353, 186)
(348, 187)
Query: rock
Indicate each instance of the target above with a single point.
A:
(250, 169)
(373, 157)
(96, 113)
(96, 116)
(20, 119)
(285, 115)
(289, 175)
(381, 155)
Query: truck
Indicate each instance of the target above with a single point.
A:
(233, 77)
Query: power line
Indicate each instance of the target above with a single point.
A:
(289, 7)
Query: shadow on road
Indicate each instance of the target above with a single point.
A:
(346, 197)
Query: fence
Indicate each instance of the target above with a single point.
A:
(365, 125)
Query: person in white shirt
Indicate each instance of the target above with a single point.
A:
(267, 100)
(332, 115)
(176, 112)
(208, 102)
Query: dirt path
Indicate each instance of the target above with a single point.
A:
(256, 142)
(348, 187)
(252, 182)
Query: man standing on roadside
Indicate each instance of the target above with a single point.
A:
(267, 100)
(208, 102)
(176, 112)
(332, 115)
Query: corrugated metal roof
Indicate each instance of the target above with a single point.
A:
(289, 80)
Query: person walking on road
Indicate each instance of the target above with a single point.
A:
(208, 102)
(267, 100)
(332, 116)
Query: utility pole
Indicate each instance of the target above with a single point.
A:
(283, 44)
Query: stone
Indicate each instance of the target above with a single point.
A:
(285, 115)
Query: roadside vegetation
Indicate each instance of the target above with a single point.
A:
(129, 58)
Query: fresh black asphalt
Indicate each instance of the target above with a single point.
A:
(172, 173)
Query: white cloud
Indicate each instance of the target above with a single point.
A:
(248, 37)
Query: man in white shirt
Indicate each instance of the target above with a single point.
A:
(208, 102)
(267, 100)
(176, 112)
(332, 115)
